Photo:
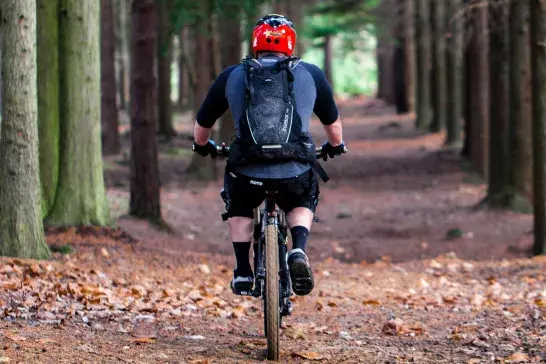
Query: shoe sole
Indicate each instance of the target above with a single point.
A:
(302, 277)
(245, 291)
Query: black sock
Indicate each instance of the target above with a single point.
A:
(299, 237)
(242, 251)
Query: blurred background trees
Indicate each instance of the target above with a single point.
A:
(116, 77)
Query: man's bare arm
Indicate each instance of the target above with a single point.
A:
(334, 132)
(201, 135)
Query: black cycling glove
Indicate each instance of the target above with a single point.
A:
(205, 150)
(328, 150)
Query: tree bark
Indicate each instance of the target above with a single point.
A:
(402, 58)
(230, 40)
(48, 99)
(145, 193)
(121, 11)
(109, 112)
(183, 81)
(439, 90)
(202, 168)
(478, 98)
(21, 229)
(164, 50)
(454, 90)
(328, 59)
(521, 175)
(499, 154)
(81, 197)
(538, 59)
(423, 60)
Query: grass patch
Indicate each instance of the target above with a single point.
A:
(62, 249)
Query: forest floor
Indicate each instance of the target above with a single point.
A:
(407, 269)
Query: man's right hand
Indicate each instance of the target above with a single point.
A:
(204, 150)
(328, 150)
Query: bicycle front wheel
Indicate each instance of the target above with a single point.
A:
(272, 314)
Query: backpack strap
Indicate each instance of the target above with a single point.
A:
(250, 65)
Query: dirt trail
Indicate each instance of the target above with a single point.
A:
(164, 298)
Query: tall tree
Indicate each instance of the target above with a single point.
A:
(145, 194)
(477, 79)
(81, 196)
(231, 48)
(521, 175)
(122, 26)
(47, 43)
(183, 81)
(109, 110)
(403, 57)
(202, 168)
(328, 58)
(499, 155)
(439, 80)
(164, 47)
(454, 66)
(538, 59)
(423, 62)
(21, 229)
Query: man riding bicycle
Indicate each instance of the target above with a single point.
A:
(271, 99)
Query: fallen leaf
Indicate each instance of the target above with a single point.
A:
(332, 304)
(309, 355)
(16, 338)
(372, 302)
(104, 252)
(46, 340)
(540, 302)
(392, 327)
(319, 306)
(4, 359)
(518, 357)
(147, 340)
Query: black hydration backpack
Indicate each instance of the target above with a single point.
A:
(270, 130)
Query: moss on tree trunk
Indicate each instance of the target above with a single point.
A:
(81, 197)
(21, 229)
(48, 99)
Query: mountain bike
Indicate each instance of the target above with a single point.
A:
(271, 275)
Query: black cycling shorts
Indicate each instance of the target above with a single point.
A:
(244, 194)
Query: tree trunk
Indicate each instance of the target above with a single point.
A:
(520, 110)
(121, 10)
(328, 59)
(423, 60)
(538, 59)
(202, 168)
(478, 98)
(81, 197)
(454, 90)
(251, 17)
(48, 99)
(439, 90)
(499, 154)
(183, 82)
(230, 39)
(164, 50)
(401, 58)
(21, 229)
(409, 47)
(145, 193)
(294, 11)
(109, 112)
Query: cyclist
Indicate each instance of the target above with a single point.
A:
(271, 99)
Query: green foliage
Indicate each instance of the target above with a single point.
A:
(453, 234)
(62, 249)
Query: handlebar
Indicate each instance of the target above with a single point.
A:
(223, 150)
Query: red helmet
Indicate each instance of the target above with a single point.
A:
(274, 33)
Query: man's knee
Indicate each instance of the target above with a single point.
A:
(241, 228)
